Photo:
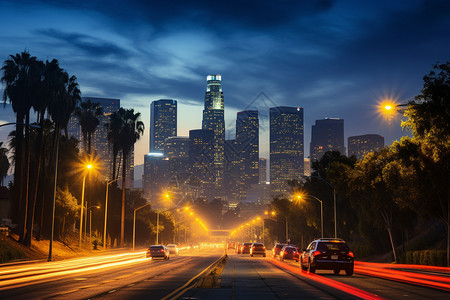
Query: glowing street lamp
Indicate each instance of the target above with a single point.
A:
(300, 197)
(334, 198)
(134, 222)
(88, 168)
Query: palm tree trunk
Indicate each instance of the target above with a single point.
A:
(26, 177)
(43, 189)
(122, 222)
(28, 236)
(18, 172)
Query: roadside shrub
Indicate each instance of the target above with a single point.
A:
(424, 257)
(9, 253)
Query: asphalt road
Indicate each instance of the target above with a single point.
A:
(130, 275)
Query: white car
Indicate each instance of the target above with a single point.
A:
(173, 249)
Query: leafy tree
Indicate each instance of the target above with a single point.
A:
(66, 209)
(428, 119)
(373, 198)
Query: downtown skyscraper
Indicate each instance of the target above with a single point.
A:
(213, 119)
(360, 145)
(327, 135)
(163, 123)
(286, 147)
(247, 137)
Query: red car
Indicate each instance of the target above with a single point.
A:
(289, 252)
(276, 249)
(245, 249)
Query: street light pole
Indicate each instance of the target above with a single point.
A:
(54, 198)
(106, 212)
(287, 236)
(321, 213)
(82, 206)
(90, 222)
(157, 227)
(334, 199)
(134, 222)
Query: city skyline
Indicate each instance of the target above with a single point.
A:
(335, 59)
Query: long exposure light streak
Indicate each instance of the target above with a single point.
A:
(22, 276)
(327, 281)
(385, 271)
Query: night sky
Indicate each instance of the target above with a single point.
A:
(333, 58)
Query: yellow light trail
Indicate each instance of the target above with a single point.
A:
(81, 265)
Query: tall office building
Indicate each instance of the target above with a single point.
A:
(360, 145)
(327, 135)
(99, 142)
(234, 168)
(201, 156)
(286, 146)
(213, 119)
(307, 171)
(155, 178)
(176, 150)
(262, 170)
(163, 123)
(247, 136)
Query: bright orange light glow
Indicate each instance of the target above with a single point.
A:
(387, 107)
(89, 166)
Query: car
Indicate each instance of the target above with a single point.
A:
(276, 249)
(328, 254)
(289, 252)
(173, 249)
(159, 251)
(238, 248)
(258, 248)
(245, 248)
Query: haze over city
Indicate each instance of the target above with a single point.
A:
(333, 58)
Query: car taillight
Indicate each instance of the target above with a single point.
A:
(316, 253)
(162, 250)
(350, 253)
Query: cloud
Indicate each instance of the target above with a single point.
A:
(89, 45)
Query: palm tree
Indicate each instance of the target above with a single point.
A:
(129, 129)
(113, 129)
(88, 114)
(4, 163)
(60, 109)
(59, 94)
(21, 76)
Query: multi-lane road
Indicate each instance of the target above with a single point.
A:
(129, 275)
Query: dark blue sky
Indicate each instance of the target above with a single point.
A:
(333, 58)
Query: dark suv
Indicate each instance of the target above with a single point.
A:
(327, 254)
